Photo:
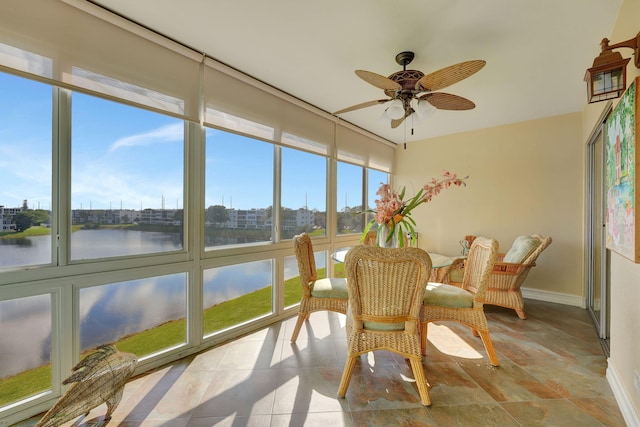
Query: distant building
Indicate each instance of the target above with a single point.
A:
(260, 219)
(6, 218)
(305, 217)
(161, 216)
(251, 219)
(105, 216)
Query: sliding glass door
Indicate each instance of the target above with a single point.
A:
(598, 283)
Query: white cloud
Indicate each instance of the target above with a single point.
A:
(168, 133)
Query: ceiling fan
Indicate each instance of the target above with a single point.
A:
(404, 86)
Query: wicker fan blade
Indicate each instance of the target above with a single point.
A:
(447, 101)
(377, 80)
(449, 75)
(362, 105)
(398, 122)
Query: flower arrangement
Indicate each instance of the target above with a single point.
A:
(393, 213)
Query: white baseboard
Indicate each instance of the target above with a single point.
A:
(624, 403)
(557, 297)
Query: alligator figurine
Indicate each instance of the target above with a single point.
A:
(99, 378)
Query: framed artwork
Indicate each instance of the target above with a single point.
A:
(621, 164)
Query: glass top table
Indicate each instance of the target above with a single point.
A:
(437, 260)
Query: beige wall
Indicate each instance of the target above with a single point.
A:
(625, 275)
(529, 178)
(523, 178)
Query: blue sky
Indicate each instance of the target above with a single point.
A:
(131, 158)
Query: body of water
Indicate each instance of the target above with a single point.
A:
(111, 311)
(88, 244)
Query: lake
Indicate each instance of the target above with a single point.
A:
(88, 244)
(111, 311)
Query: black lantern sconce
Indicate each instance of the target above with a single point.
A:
(607, 79)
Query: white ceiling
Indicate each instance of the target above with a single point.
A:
(537, 51)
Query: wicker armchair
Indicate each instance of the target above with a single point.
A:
(507, 278)
(386, 287)
(444, 302)
(317, 294)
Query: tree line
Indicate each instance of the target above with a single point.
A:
(27, 218)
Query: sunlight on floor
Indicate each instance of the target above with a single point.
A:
(449, 342)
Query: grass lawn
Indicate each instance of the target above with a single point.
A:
(29, 232)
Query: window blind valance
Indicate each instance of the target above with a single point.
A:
(66, 46)
(243, 96)
(354, 146)
(228, 91)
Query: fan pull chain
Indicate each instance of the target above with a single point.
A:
(405, 134)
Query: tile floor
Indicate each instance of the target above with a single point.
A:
(552, 373)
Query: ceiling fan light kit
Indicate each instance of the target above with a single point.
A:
(424, 109)
(407, 87)
(395, 110)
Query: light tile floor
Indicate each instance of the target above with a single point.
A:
(552, 373)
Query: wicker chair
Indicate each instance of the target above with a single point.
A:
(317, 294)
(386, 287)
(370, 238)
(444, 302)
(507, 278)
(443, 274)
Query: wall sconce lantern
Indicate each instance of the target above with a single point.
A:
(607, 79)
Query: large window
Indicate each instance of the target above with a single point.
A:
(238, 189)
(127, 180)
(25, 172)
(103, 219)
(124, 185)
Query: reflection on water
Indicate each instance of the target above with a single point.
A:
(232, 281)
(25, 251)
(110, 312)
(88, 244)
(18, 241)
(25, 333)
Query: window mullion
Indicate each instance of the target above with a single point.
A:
(61, 226)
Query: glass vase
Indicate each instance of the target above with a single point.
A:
(383, 240)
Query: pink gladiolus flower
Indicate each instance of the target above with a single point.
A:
(392, 211)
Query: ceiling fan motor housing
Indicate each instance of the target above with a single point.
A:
(408, 79)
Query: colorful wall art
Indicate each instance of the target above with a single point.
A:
(621, 218)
